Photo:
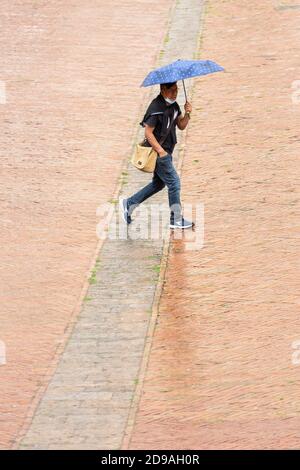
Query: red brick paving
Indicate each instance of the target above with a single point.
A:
(72, 72)
(220, 371)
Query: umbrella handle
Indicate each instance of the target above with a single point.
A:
(185, 94)
(184, 90)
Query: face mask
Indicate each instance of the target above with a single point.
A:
(170, 101)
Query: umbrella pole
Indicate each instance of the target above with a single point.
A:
(184, 90)
(185, 96)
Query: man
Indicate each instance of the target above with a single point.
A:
(162, 113)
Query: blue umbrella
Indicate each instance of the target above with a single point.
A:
(179, 70)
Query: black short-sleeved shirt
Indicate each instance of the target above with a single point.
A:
(160, 120)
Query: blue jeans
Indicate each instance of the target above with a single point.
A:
(164, 174)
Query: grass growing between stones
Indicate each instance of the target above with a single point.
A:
(93, 278)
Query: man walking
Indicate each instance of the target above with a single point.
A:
(162, 113)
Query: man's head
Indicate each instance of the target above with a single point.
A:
(169, 90)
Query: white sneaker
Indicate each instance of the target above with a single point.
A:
(183, 223)
(124, 210)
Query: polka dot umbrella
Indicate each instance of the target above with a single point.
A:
(179, 70)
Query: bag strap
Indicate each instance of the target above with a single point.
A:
(169, 129)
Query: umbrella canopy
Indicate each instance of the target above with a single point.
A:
(179, 70)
